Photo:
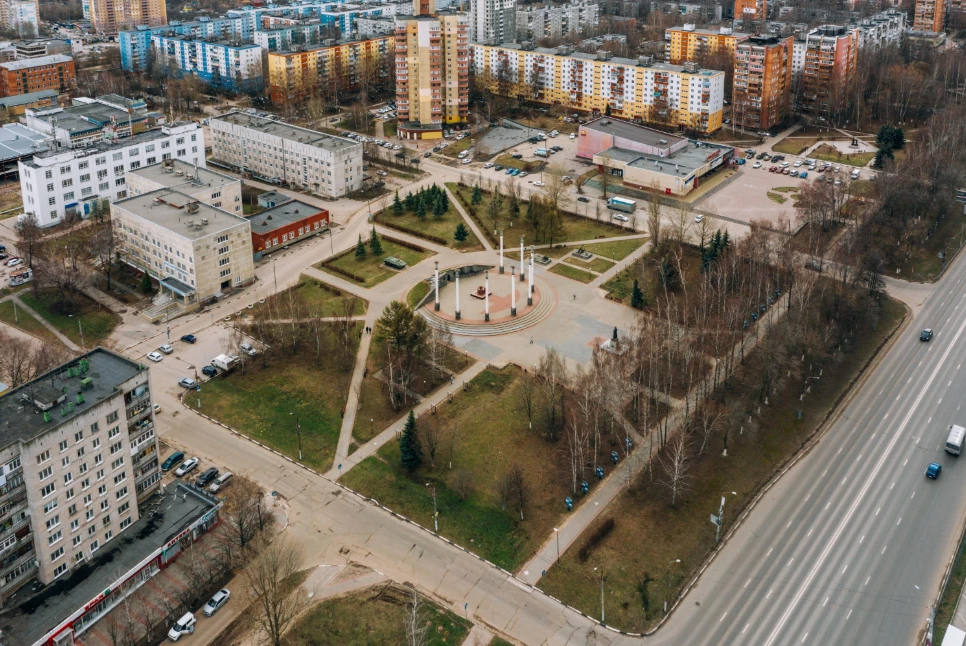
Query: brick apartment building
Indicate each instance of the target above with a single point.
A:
(285, 223)
(831, 54)
(763, 78)
(751, 9)
(930, 15)
(32, 75)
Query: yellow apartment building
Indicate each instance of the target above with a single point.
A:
(688, 43)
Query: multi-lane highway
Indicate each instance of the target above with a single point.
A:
(851, 544)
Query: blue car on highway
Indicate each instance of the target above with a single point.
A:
(933, 470)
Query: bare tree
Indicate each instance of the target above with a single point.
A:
(415, 624)
(29, 237)
(103, 247)
(554, 374)
(654, 222)
(437, 342)
(463, 483)
(273, 582)
(16, 360)
(433, 438)
(676, 466)
(527, 394)
(242, 512)
(519, 486)
(504, 489)
(604, 180)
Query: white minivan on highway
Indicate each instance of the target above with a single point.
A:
(954, 443)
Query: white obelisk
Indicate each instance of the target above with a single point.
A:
(486, 296)
(513, 292)
(530, 280)
(457, 294)
(436, 279)
(501, 251)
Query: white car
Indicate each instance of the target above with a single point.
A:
(524, 174)
(797, 164)
(698, 219)
(467, 161)
(217, 601)
(622, 218)
(573, 136)
(157, 409)
(538, 183)
(784, 164)
(155, 356)
(167, 349)
(757, 165)
(381, 173)
(13, 262)
(397, 147)
(186, 467)
(184, 625)
(187, 382)
(488, 165)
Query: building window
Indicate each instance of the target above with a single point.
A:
(226, 272)
(50, 506)
(46, 473)
(48, 490)
(63, 445)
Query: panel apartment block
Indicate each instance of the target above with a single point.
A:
(830, 56)
(230, 66)
(492, 21)
(929, 15)
(135, 45)
(688, 43)
(554, 21)
(111, 16)
(761, 94)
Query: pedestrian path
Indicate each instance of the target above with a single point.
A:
(355, 387)
(467, 219)
(60, 337)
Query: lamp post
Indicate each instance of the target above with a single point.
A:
(513, 292)
(557, 532)
(667, 581)
(601, 592)
(523, 261)
(530, 281)
(298, 431)
(501, 251)
(486, 296)
(720, 517)
(435, 513)
(457, 294)
(436, 285)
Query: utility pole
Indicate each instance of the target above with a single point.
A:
(435, 513)
(601, 592)
(667, 581)
(719, 519)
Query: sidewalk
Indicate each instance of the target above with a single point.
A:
(60, 337)
(467, 219)
(355, 386)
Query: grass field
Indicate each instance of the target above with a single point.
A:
(831, 154)
(649, 532)
(777, 197)
(492, 434)
(573, 273)
(96, 322)
(417, 293)
(371, 268)
(617, 250)
(430, 227)
(863, 188)
(598, 265)
(509, 162)
(25, 322)
(374, 617)
(947, 603)
(456, 147)
(318, 299)
(266, 403)
(794, 145)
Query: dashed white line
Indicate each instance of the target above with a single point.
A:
(790, 561)
(893, 485)
(807, 497)
(829, 504)
(848, 615)
(913, 495)
(769, 593)
(804, 638)
(845, 568)
(769, 552)
(906, 462)
(862, 539)
(746, 628)
(878, 510)
(867, 580)
(747, 582)
(825, 602)
(788, 525)
(883, 550)
(723, 616)
(900, 520)
(808, 534)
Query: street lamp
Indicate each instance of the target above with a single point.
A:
(720, 517)
(667, 581)
(435, 513)
(557, 532)
(601, 593)
(298, 431)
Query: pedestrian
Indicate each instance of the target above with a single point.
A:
(531, 340)
(575, 297)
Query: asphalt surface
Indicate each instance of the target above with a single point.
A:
(850, 546)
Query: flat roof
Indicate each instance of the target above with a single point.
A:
(282, 215)
(177, 509)
(710, 32)
(287, 131)
(89, 117)
(105, 146)
(638, 134)
(21, 420)
(681, 163)
(189, 38)
(36, 62)
(192, 178)
(18, 141)
(29, 97)
(167, 208)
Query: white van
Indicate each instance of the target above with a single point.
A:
(954, 443)
(184, 625)
(220, 482)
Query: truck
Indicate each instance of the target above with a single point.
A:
(621, 204)
(541, 152)
(224, 362)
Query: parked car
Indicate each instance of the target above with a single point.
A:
(157, 409)
(467, 161)
(184, 625)
(206, 476)
(382, 173)
(154, 356)
(187, 467)
(926, 335)
(428, 154)
(516, 171)
(166, 348)
(517, 155)
(187, 382)
(220, 482)
(247, 349)
(509, 171)
(175, 458)
(757, 164)
(621, 218)
(741, 161)
(573, 136)
(13, 262)
(538, 183)
(798, 163)
(498, 167)
(524, 174)
(582, 199)
(219, 599)
(209, 371)
(698, 219)
(488, 165)
(933, 470)
(2, 255)
(189, 338)
(803, 174)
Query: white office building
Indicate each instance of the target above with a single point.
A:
(79, 181)
(279, 153)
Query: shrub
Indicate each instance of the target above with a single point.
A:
(595, 538)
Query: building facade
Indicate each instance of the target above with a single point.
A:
(284, 224)
(710, 12)
(761, 95)
(280, 153)
(688, 43)
(21, 16)
(883, 28)
(929, 15)
(35, 74)
(283, 38)
(224, 65)
(548, 21)
(77, 453)
(369, 27)
(135, 45)
(111, 16)
(341, 67)
(751, 9)
(432, 71)
(79, 182)
(657, 93)
(492, 22)
(830, 57)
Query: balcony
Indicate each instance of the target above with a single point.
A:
(6, 566)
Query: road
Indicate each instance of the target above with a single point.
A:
(851, 545)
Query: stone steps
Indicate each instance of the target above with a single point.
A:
(515, 324)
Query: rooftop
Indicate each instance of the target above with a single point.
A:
(107, 146)
(286, 131)
(36, 62)
(176, 510)
(282, 215)
(189, 38)
(21, 419)
(168, 208)
(19, 141)
(638, 134)
(681, 163)
(29, 97)
(191, 177)
(87, 117)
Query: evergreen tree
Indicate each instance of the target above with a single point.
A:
(397, 205)
(724, 240)
(375, 245)
(360, 248)
(410, 202)
(637, 297)
(439, 208)
(420, 208)
(477, 196)
(410, 451)
(146, 286)
(669, 275)
(461, 233)
(607, 110)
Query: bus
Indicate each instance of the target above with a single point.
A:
(620, 204)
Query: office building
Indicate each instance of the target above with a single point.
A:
(64, 182)
(658, 93)
(40, 47)
(224, 65)
(751, 10)
(929, 16)
(492, 22)
(135, 45)
(340, 68)
(90, 120)
(828, 58)
(554, 21)
(280, 153)
(762, 83)
(112, 16)
(432, 71)
(203, 184)
(78, 451)
(688, 43)
(35, 74)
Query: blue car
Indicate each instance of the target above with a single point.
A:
(516, 171)
(189, 338)
(803, 174)
(741, 162)
(934, 470)
(509, 171)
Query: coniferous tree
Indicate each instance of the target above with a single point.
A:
(638, 301)
(439, 207)
(410, 202)
(477, 196)
(360, 248)
(375, 245)
(397, 205)
(410, 451)
(421, 208)
(461, 234)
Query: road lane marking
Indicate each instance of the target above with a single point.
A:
(808, 534)
(849, 615)
(769, 553)
(862, 539)
(913, 495)
(867, 580)
(886, 416)
(804, 638)
(723, 616)
(825, 602)
(846, 520)
(878, 510)
(747, 582)
(746, 628)
(906, 462)
(928, 420)
(845, 568)
(790, 561)
(900, 520)
(807, 497)
(858, 458)
(769, 593)
(893, 485)
(829, 503)
(883, 550)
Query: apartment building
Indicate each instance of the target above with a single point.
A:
(112, 16)
(762, 83)
(369, 27)
(929, 16)
(688, 43)
(341, 66)
(709, 12)
(64, 182)
(828, 58)
(225, 65)
(34, 74)
(196, 251)
(432, 71)
(881, 29)
(751, 10)
(548, 21)
(307, 33)
(21, 17)
(492, 22)
(39, 47)
(135, 45)
(78, 451)
(203, 184)
(658, 93)
(280, 153)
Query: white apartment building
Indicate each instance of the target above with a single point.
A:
(369, 27)
(205, 185)
(78, 181)
(548, 21)
(281, 153)
(22, 16)
(78, 451)
(222, 64)
(194, 250)
(881, 29)
(492, 22)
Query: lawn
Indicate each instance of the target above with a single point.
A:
(435, 229)
(648, 532)
(266, 403)
(777, 197)
(645, 270)
(491, 435)
(95, 322)
(369, 270)
(863, 188)
(562, 269)
(25, 322)
(617, 250)
(598, 265)
(794, 145)
(389, 129)
(417, 293)
(372, 617)
(831, 154)
(509, 162)
(316, 300)
(949, 600)
(574, 227)
(456, 147)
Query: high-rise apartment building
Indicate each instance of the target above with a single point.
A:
(20, 16)
(553, 21)
(762, 83)
(111, 16)
(830, 54)
(929, 15)
(751, 9)
(432, 71)
(688, 43)
(493, 22)
(78, 451)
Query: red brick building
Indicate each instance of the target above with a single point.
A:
(54, 72)
(286, 223)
